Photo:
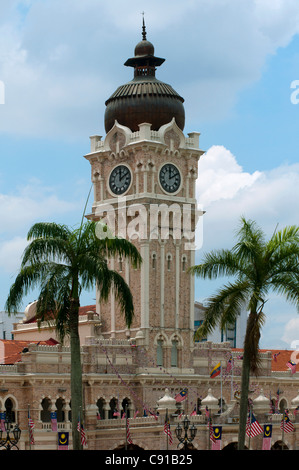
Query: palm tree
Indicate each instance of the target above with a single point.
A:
(258, 267)
(61, 262)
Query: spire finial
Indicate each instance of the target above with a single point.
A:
(143, 27)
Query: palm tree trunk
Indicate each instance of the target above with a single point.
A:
(249, 358)
(244, 400)
(76, 372)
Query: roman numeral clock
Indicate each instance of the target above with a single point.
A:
(144, 174)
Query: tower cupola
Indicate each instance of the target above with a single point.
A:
(145, 98)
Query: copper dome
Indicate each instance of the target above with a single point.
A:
(145, 98)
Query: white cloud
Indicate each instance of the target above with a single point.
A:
(291, 331)
(28, 204)
(227, 192)
(11, 253)
(60, 60)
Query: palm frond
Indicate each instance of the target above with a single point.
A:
(218, 263)
(48, 230)
(224, 307)
(44, 249)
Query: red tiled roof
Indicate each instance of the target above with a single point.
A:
(12, 349)
(282, 357)
(82, 311)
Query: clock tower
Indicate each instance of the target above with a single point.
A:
(144, 173)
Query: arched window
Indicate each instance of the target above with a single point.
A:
(45, 414)
(113, 408)
(60, 410)
(160, 352)
(154, 260)
(184, 263)
(126, 407)
(169, 257)
(9, 410)
(174, 353)
(100, 406)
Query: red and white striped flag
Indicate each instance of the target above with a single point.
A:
(253, 428)
(30, 427)
(286, 425)
(80, 429)
(168, 431)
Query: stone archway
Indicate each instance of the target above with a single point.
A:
(233, 446)
(279, 445)
(122, 447)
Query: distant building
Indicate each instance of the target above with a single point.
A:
(234, 334)
(7, 324)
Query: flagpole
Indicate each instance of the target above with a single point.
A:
(29, 427)
(231, 381)
(209, 430)
(221, 386)
(283, 421)
(126, 427)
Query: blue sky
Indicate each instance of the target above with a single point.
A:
(232, 61)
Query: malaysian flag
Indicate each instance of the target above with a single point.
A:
(30, 428)
(181, 396)
(253, 428)
(80, 428)
(267, 437)
(2, 421)
(217, 434)
(286, 425)
(275, 355)
(54, 421)
(292, 366)
(63, 440)
(229, 364)
(168, 431)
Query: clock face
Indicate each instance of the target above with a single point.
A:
(120, 179)
(170, 178)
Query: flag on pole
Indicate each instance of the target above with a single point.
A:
(98, 415)
(253, 428)
(80, 429)
(275, 355)
(181, 396)
(2, 421)
(286, 425)
(168, 431)
(215, 371)
(30, 428)
(217, 434)
(54, 421)
(267, 437)
(63, 440)
(193, 412)
(210, 427)
(129, 439)
(229, 364)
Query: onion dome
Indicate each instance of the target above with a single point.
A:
(145, 98)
